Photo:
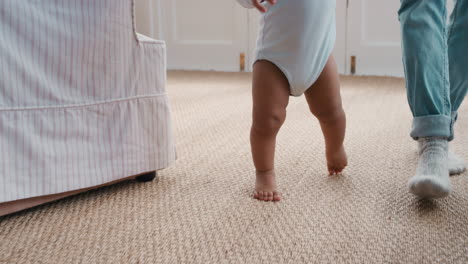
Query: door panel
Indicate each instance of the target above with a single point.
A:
(374, 38)
(340, 46)
(204, 34)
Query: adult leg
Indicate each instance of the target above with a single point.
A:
(458, 65)
(425, 58)
(458, 55)
(270, 99)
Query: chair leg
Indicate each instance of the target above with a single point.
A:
(150, 176)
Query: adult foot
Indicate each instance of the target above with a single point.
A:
(336, 161)
(265, 187)
(432, 177)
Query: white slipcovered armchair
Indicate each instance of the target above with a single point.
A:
(82, 99)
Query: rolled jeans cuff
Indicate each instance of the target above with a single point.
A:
(433, 126)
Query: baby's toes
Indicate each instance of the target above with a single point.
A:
(342, 168)
(335, 170)
(256, 195)
(276, 196)
(260, 195)
(269, 196)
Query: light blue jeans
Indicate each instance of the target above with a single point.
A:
(435, 57)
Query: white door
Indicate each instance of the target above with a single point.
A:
(340, 45)
(213, 34)
(373, 38)
(204, 34)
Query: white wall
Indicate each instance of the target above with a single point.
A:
(146, 16)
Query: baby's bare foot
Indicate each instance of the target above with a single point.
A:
(336, 161)
(265, 187)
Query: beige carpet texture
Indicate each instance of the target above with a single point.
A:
(200, 209)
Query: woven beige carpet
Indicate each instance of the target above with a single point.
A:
(199, 210)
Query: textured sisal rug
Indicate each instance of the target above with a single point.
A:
(199, 210)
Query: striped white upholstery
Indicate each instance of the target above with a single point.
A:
(82, 98)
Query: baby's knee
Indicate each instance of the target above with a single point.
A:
(268, 123)
(330, 115)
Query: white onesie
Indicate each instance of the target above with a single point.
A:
(297, 36)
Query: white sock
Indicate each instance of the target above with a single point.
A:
(456, 164)
(432, 175)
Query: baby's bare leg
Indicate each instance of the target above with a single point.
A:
(324, 101)
(270, 98)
